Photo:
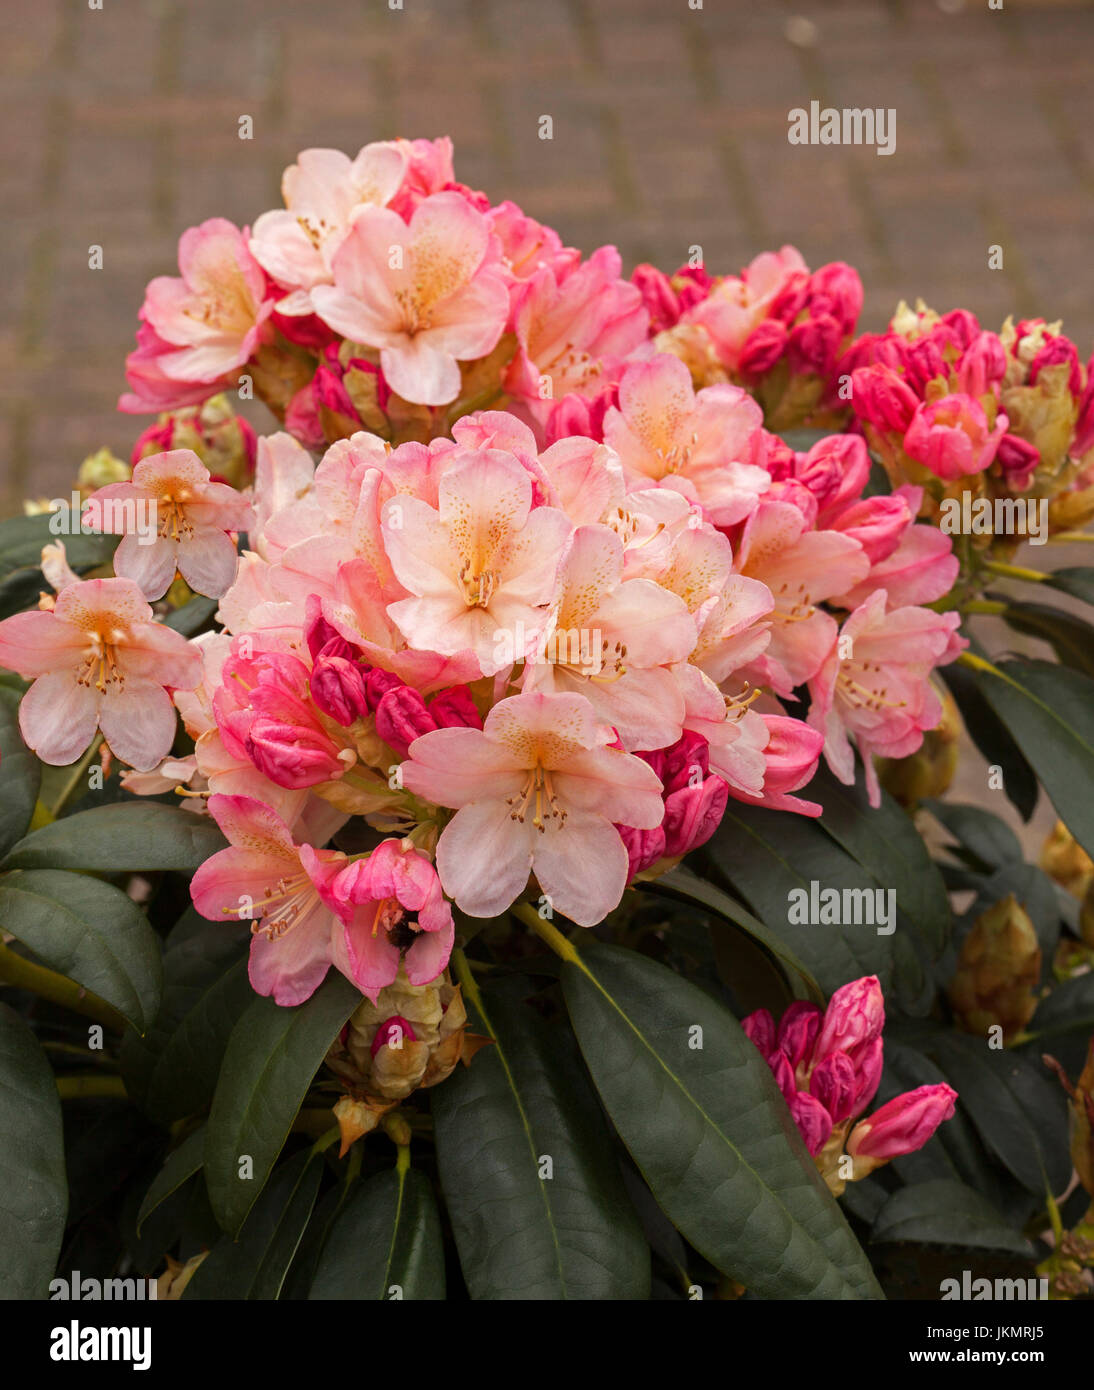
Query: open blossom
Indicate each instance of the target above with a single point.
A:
(952, 436)
(479, 565)
(425, 293)
(878, 693)
(394, 912)
(737, 305)
(284, 889)
(202, 325)
(536, 790)
(322, 192)
(192, 517)
(706, 445)
(98, 660)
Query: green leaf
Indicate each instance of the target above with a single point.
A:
(1076, 580)
(1070, 637)
(1050, 711)
(90, 931)
(271, 1060)
(384, 1244)
(127, 837)
(1016, 1106)
(255, 1265)
(21, 542)
(993, 739)
(684, 886)
(20, 774)
(945, 1212)
(179, 1166)
(521, 1235)
(192, 616)
(1068, 1009)
(765, 855)
(885, 842)
(709, 1130)
(33, 1188)
(990, 842)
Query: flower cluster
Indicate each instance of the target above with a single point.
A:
(828, 1064)
(957, 409)
(482, 651)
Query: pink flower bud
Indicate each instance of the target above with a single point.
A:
(839, 287)
(869, 1061)
(779, 459)
(783, 1073)
(882, 398)
(950, 436)
(900, 1127)
(813, 1121)
(1056, 350)
(292, 755)
(392, 1032)
(855, 1015)
(338, 689)
(877, 523)
(763, 348)
(958, 328)
(834, 1083)
(759, 1027)
(685, 763)
(401, 717)
(454, 708)
(814, 344)
(923, 362)
(644, 847)
(791, 297)
(1084, 426)
(791, 756)
(835, 470)
(1018, 460)
(693, 814)
(658, 296)
(983, 365)
(798, 1029)
(378, 683)
(318, 633)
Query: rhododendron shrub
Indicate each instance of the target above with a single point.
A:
(474, 764)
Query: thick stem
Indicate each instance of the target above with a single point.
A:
(1016, 572)
(984, 605)
(15, 970)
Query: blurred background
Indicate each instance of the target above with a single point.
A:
(120, 129)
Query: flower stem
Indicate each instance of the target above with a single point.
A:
(984, 605)
(77, 777)
(546, 930)
(84, 1087)
(1016, 572)
(17, 971)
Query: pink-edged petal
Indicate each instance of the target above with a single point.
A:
(373, 960)
(612, 784)
(484, 858)
(419, 371)
(58, 717)
(582, 868)
(139, 723)
(157, 653)
(231, 878)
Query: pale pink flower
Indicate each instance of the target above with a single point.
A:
(210, 320)
(426, 294)
(284, 889)
(801, 568)
(322, 192)
(737, 305)
(481, 565)
(395, 913)
(610, 639)
(537, 791)
(952, 438)
(879, 694)
(707, 446)
(98, 660)
(428, 170)
(192, 517)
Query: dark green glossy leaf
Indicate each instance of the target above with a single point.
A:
(33, 1188)
(192, 616)
(20, 774)
(256, 1264)
(989, 841)
(524, 1109)
(1050, 711)
(696, 1105)
(272, 1057)
(1076, 580)
(1070, 637)
(90, 931)
(21, 542)
(127, 836)
(385, 1244)
(179, 1166)
(993, 739)
(945, 1212)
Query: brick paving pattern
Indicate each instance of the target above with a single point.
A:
(670, 128)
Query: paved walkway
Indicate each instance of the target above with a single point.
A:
(670, 128)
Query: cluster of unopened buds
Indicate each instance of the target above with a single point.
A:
(827, 1064)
